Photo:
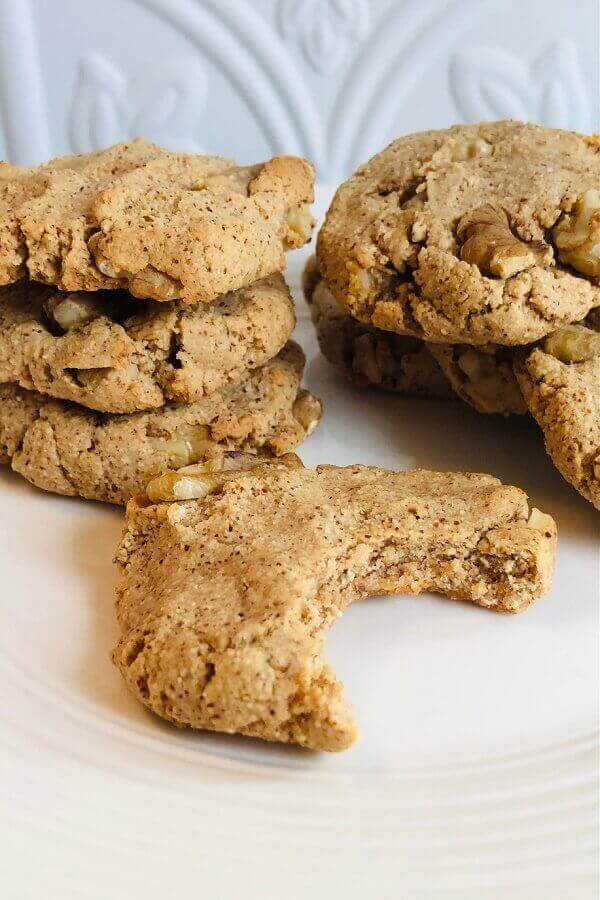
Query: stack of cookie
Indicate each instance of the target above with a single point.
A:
(144, 320)
(467, 262)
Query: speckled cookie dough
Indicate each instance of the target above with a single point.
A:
(108, 352)
(479, 234)
(560, 381)
(224, 601)
(69, 450)
(367, 356)
(163, 225)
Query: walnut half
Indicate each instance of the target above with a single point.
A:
(577, 235)
(490, 244)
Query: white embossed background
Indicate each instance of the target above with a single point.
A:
(332, 79)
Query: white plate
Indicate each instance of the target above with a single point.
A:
(475, 772)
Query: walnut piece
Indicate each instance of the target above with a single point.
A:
(489, 381)
(573, 344)
(299, 222)
(187, 483)
(147, 284)
(364, 361)
(461, 150)
(73, 310)
(189, 444)
(577, 235)
(101, 262)
(490, 244)
(307, 410)
(198, 481)
(360, 282)
(540, 521)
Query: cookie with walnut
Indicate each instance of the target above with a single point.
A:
(481, 376)
(109, 352)
(163, 225)
(66, 449)
(560, 381)
(226, 593)
(368, 356)
(477, 234)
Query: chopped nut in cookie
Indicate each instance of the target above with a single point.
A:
(107, 351)
(573, 344)
(69, 311)
(577, 235)
(197, 481)
(187, 445)
(490, 244)
(265, 412)
(299, 224)
(451, 235)
(308, 411)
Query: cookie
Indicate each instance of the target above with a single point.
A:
(224, 601)
(481, 376)
(477, 234)
(163, 225)
(44, 213)
(560, 381)
(368, 356)
(69, 450)
(108, 352)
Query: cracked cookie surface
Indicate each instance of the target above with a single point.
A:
(163, 225)
(476, 234)
(560, 381)
(224, 601)
(63, 448)
(368, 356)
(108, 352)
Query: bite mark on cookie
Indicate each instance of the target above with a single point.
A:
(224, 600)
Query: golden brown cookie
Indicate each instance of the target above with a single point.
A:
(108, 352)
(163, 225)
(224, 601)
(477, 234)
(560, 381)
(69, 450)
(368, 356)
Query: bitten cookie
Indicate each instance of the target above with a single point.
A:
(478, 234)
(368, 356)
(560, 381)
(69, 450)
(224, 601)
(108, 352)
(163, 225)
